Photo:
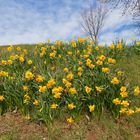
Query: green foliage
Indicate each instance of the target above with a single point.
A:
(48, 81)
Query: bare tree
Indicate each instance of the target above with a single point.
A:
(93, 21)
(131, 7)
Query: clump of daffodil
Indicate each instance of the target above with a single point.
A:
(9, 49)
(70, 76)
(36, 102)
(57, 95)
(69, 53)
(52, 68)
(111, 61)
(53, 54)
(80, 71)
(12, 57)
(112, 46)
(66, 70)
(123, 91)
(138, 43)
(39, 78)
(91, 108)
(106, 70)
(67, 83)
(53, 48)
(97, 48)
(123, 110)
(99, 89)
(124, 94)
(120, 73)
(45, 62)
(21, 59)
(80, 63)
(86, 56)
(9, 62)
(4, 74)
(30, 62)
(70, 120)
(73, 43)
(25, 51)
(42, 89)
(54, 106)
(25, 88)
(130, 112)
(102, 58)
(99, 62)
(119, 46)
(18, 49)
(43, 51)
(27, 117)
(89, 64)
(136, 91)
(72, 90)
(115, 81)
(4, 62)
(56, 90)
(26, 99)
(71, 106)
(116, 101)
(125, 103)
(59, 43)
(137, 110)
(50, 83)
(29, 75)
(88, 89)
(81, 40)
(1, 98)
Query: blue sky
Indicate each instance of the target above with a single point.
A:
(32, 21)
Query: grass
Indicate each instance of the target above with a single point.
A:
(8, 136)
(131, 66)
(105, 129)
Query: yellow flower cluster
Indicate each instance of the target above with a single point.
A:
(72, 77)
(42, 89)
(29, 75)
(89, 64)
(3, 74)
(50, 83)
(115, 81)
(40, 78)
(88, 89)
(1, 98)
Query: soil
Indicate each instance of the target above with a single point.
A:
(24, 129)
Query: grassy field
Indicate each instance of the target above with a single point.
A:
(16, 126)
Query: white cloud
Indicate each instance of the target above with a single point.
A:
(22, 22)
(29, 26)
(115, 19)
(117, 26)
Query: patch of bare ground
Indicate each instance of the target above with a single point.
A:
(19, 128)
(15, 127)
